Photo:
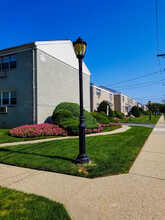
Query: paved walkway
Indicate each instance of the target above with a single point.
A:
(139, 124)
(138, 195)
(120, 130)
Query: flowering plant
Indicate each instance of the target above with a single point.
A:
(111, 124)
(37, 130)
(116, 118)
(96, 130)
(141, 116)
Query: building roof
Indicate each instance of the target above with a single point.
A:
(61, 49)
(111, 90)
(102, 87)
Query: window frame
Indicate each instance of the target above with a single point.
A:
(8, 63)
(9, 93)
(110, 96)
(98, 91)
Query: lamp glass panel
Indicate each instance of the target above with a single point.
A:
(80, 49)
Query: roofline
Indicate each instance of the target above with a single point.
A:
(115, 92)
(31, 45)
(126, 95)
(17, 48)
(107, 90)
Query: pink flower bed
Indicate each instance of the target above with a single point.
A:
(89, 131)
(115, 118)
(111, 124)
(37, 130)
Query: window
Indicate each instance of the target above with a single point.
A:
(5, 98)
(110, 96)
(8, 62)
(13, 99)
(98, 91)
(8, 98)
(123, 109)
(13, 62)
(5, 63)
(123, 98)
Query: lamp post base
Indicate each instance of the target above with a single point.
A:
(82, 158)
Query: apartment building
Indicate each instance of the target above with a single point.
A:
(99, 94)
(124, 103)
(144, 107)
(35, 78)
(139, 105)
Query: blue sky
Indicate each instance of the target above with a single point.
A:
(120, 35)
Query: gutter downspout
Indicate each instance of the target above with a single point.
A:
(34, 51)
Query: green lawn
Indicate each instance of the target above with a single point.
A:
(110, 154)
(5, 138)
(144, 119)
(111, 128)
(16, 205)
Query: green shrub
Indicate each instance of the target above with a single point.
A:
(145, 112)
(102, 113)
(67, 115)
(112, 120)
(100, 117)
(103, 108)
(119, 114)
(71, 125)
(141, 110)
(61, 114)
(111, 113)
(135, 111)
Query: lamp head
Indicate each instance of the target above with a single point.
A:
(79, 48)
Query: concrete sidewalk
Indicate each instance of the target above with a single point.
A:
(138, 195)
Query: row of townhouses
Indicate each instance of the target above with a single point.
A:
(36, 77)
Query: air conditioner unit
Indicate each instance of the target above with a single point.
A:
(3, 109)
(3, 74)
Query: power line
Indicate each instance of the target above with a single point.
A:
(140, 86)
(147, 97)
(159, 97)
(135, 78)
(144, 83)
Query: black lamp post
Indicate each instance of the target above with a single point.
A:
(149, 105)
(80, 48)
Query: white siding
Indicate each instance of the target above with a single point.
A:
(63, 51)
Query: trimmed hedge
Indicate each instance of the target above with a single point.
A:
(135, 111)
(103, 108)
(61, 114)
(71, 125)
(100, 117)
(67, 116)
(119, 114)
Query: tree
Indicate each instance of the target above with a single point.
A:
(135, 111)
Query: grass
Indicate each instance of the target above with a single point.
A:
(16, 205)
(144, 119)
(5, 138)
(111, 128)
(110, 154)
